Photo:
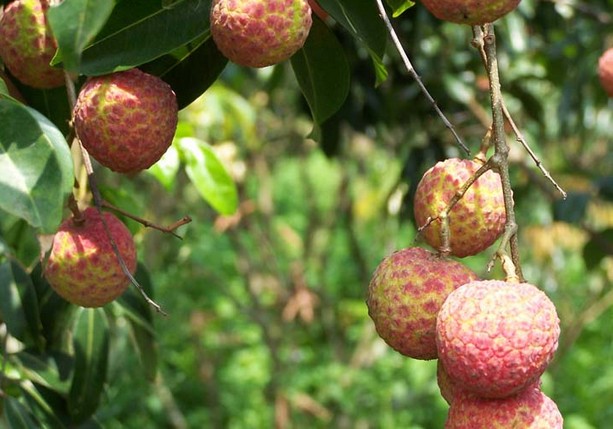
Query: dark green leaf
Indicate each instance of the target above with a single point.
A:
(140, 317)
(52, 103)
(399, 6)
(361, 18)
(74, 24)
(56, 314)
(36, 172)
(597, 248)
(42, 370)
(322, 72)
(91, 347)
(605, 187)
(49, 406)
(208, 175)
(573, 208)
(191, 72)
(139, 31)
(17, 415)
(19, 304)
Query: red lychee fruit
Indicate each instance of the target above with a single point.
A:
(476, 221)
(126, 120)
(27, 45)
(605, 71)
(82, 267)
(470, 12)
(260, 33)
(495, 338)
(405, 294)
(529, 409)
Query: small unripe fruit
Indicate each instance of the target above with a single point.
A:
(529, 409)
(126, 120)
(478, 218)
(27, 45)
(470, 12)
(260, 33)
(605, 71)
(405, 294)
(496, 338)
(82, 267)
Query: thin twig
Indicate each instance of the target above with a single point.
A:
(500, 159)
(147, 224)
(415, 76)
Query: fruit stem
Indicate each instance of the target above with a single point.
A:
(147, 224)
(485, 39)
(411, 70)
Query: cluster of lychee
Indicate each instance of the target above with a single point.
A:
(127, 120)
(493, 339)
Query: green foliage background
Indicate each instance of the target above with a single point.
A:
(267, 323)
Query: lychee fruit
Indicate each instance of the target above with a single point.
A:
(470, 12)
(529, 409)
(126, 120)
(605, 71)
(405, 294)
(260, 33)
(27, 45)
(82, 266)
(478, 218)
(495, 338)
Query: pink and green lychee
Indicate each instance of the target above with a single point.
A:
(405, 294)
(529, 409)
(82, 266)
(126, 120)
(496, 338)
(27, 44)
(605, 71)
(478, 218)
(470, 12)
(260, 33)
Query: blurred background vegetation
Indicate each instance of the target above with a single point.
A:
(267, 322)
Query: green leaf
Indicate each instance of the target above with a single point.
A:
(51, 103)
(322, 71)
(139, 31)
(189, 71)
(42, 370)
(208, 174)
(74, 24)
(597, 248)
(361, 18)
(18, 416)
(19, 304)
(399, 6)
(91, 346)
(36, 172)
(140, 317)
(56, 314)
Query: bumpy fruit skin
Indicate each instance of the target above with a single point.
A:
(496, 338)
(82, 267)
(405, 294)
(126, 120)
(470, 12)
(260, 33)
(605, 71)
(27, 45)
(476, 221)
(530, 409)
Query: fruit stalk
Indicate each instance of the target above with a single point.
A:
(500, 159)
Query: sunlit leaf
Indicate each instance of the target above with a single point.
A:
(208, 175)
(166, 169)
(399, 6)
(74, 24)
(36, 172)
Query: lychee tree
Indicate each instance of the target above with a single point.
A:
(99, 106)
